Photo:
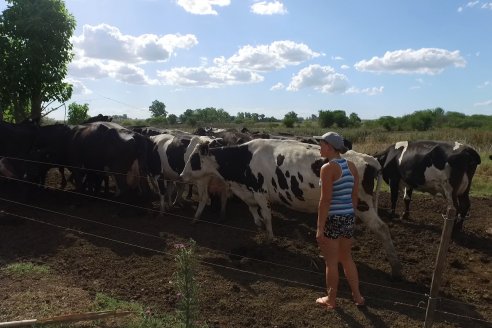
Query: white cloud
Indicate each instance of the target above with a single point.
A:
(212, 77)
(345, 67)
(276, 55)
(368, 91)
(268, 8)
(321, 78)
(422, 61)
(336, 58)
(202, 7)
(487, 5)
(98, 69)
(483, 103)
(278, 86)
(477, 4)
(242, 67)
(79, 88)
(107, 42)
(484, 84)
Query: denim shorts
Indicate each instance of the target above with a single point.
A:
(340, 226)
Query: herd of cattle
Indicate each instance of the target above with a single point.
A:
(258, 168)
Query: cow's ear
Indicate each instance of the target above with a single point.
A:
(204, 148)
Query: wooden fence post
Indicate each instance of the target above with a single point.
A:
(447, 229)
(66, 318)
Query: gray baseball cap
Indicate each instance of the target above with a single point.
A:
(333, 139)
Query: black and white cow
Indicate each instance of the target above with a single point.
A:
(173, 152)
(262, 172)
(433, 167)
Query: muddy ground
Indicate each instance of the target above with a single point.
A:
(128, 254)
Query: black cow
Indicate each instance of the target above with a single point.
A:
(98, 118)
(93, 150)
(15, 143)
(430, 166)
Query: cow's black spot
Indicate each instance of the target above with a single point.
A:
(175, 154)
(195, 162)
(282, 198)
(316, 166)
(287, 174)
(288, 195)
(234, 165)
(282, 181)
(362, 206)
(294, 187)
(274, 184)
(280, 160)
(301, 178)
(370, 174)
(311, 185)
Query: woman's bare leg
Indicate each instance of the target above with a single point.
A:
(330, 250)
(350, 269)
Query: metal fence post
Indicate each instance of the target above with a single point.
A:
(447, 229)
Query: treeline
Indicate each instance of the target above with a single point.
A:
(422, 120)
(429, 119)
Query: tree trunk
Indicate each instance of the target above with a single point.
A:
(36, 106)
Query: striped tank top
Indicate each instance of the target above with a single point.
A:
(341, 200)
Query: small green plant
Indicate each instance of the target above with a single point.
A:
(186, 285)
(27, 268)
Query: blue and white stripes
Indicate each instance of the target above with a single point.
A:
(341, 200)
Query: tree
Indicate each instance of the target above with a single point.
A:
(158, 109)
(172, 119)
(326, 118)
(354, 120)
(36, 50)
(290, 119)
(77, 113)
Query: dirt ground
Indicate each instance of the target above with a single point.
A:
(129, 254)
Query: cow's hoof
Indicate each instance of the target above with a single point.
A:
(405, 216)
(396, 274)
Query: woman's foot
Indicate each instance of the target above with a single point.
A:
(360, 302)
(324, 301)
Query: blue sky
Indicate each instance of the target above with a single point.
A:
(373, 58)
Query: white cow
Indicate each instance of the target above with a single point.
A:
(264, 171)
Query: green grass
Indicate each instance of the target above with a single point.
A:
(27, 268)
(141, 319)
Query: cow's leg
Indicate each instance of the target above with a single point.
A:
(407, 198)
(190, 191)
(162, 192)
(264, 213)
(394, 188)
(202, 187)
(179, 187)
(370, 218)
(223, 205)
(63, 183)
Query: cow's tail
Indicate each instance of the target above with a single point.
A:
(378, 188)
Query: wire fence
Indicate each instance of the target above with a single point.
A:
(79, 194)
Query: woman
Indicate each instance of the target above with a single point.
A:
(339, 183)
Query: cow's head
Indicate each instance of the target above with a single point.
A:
(200, 163)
